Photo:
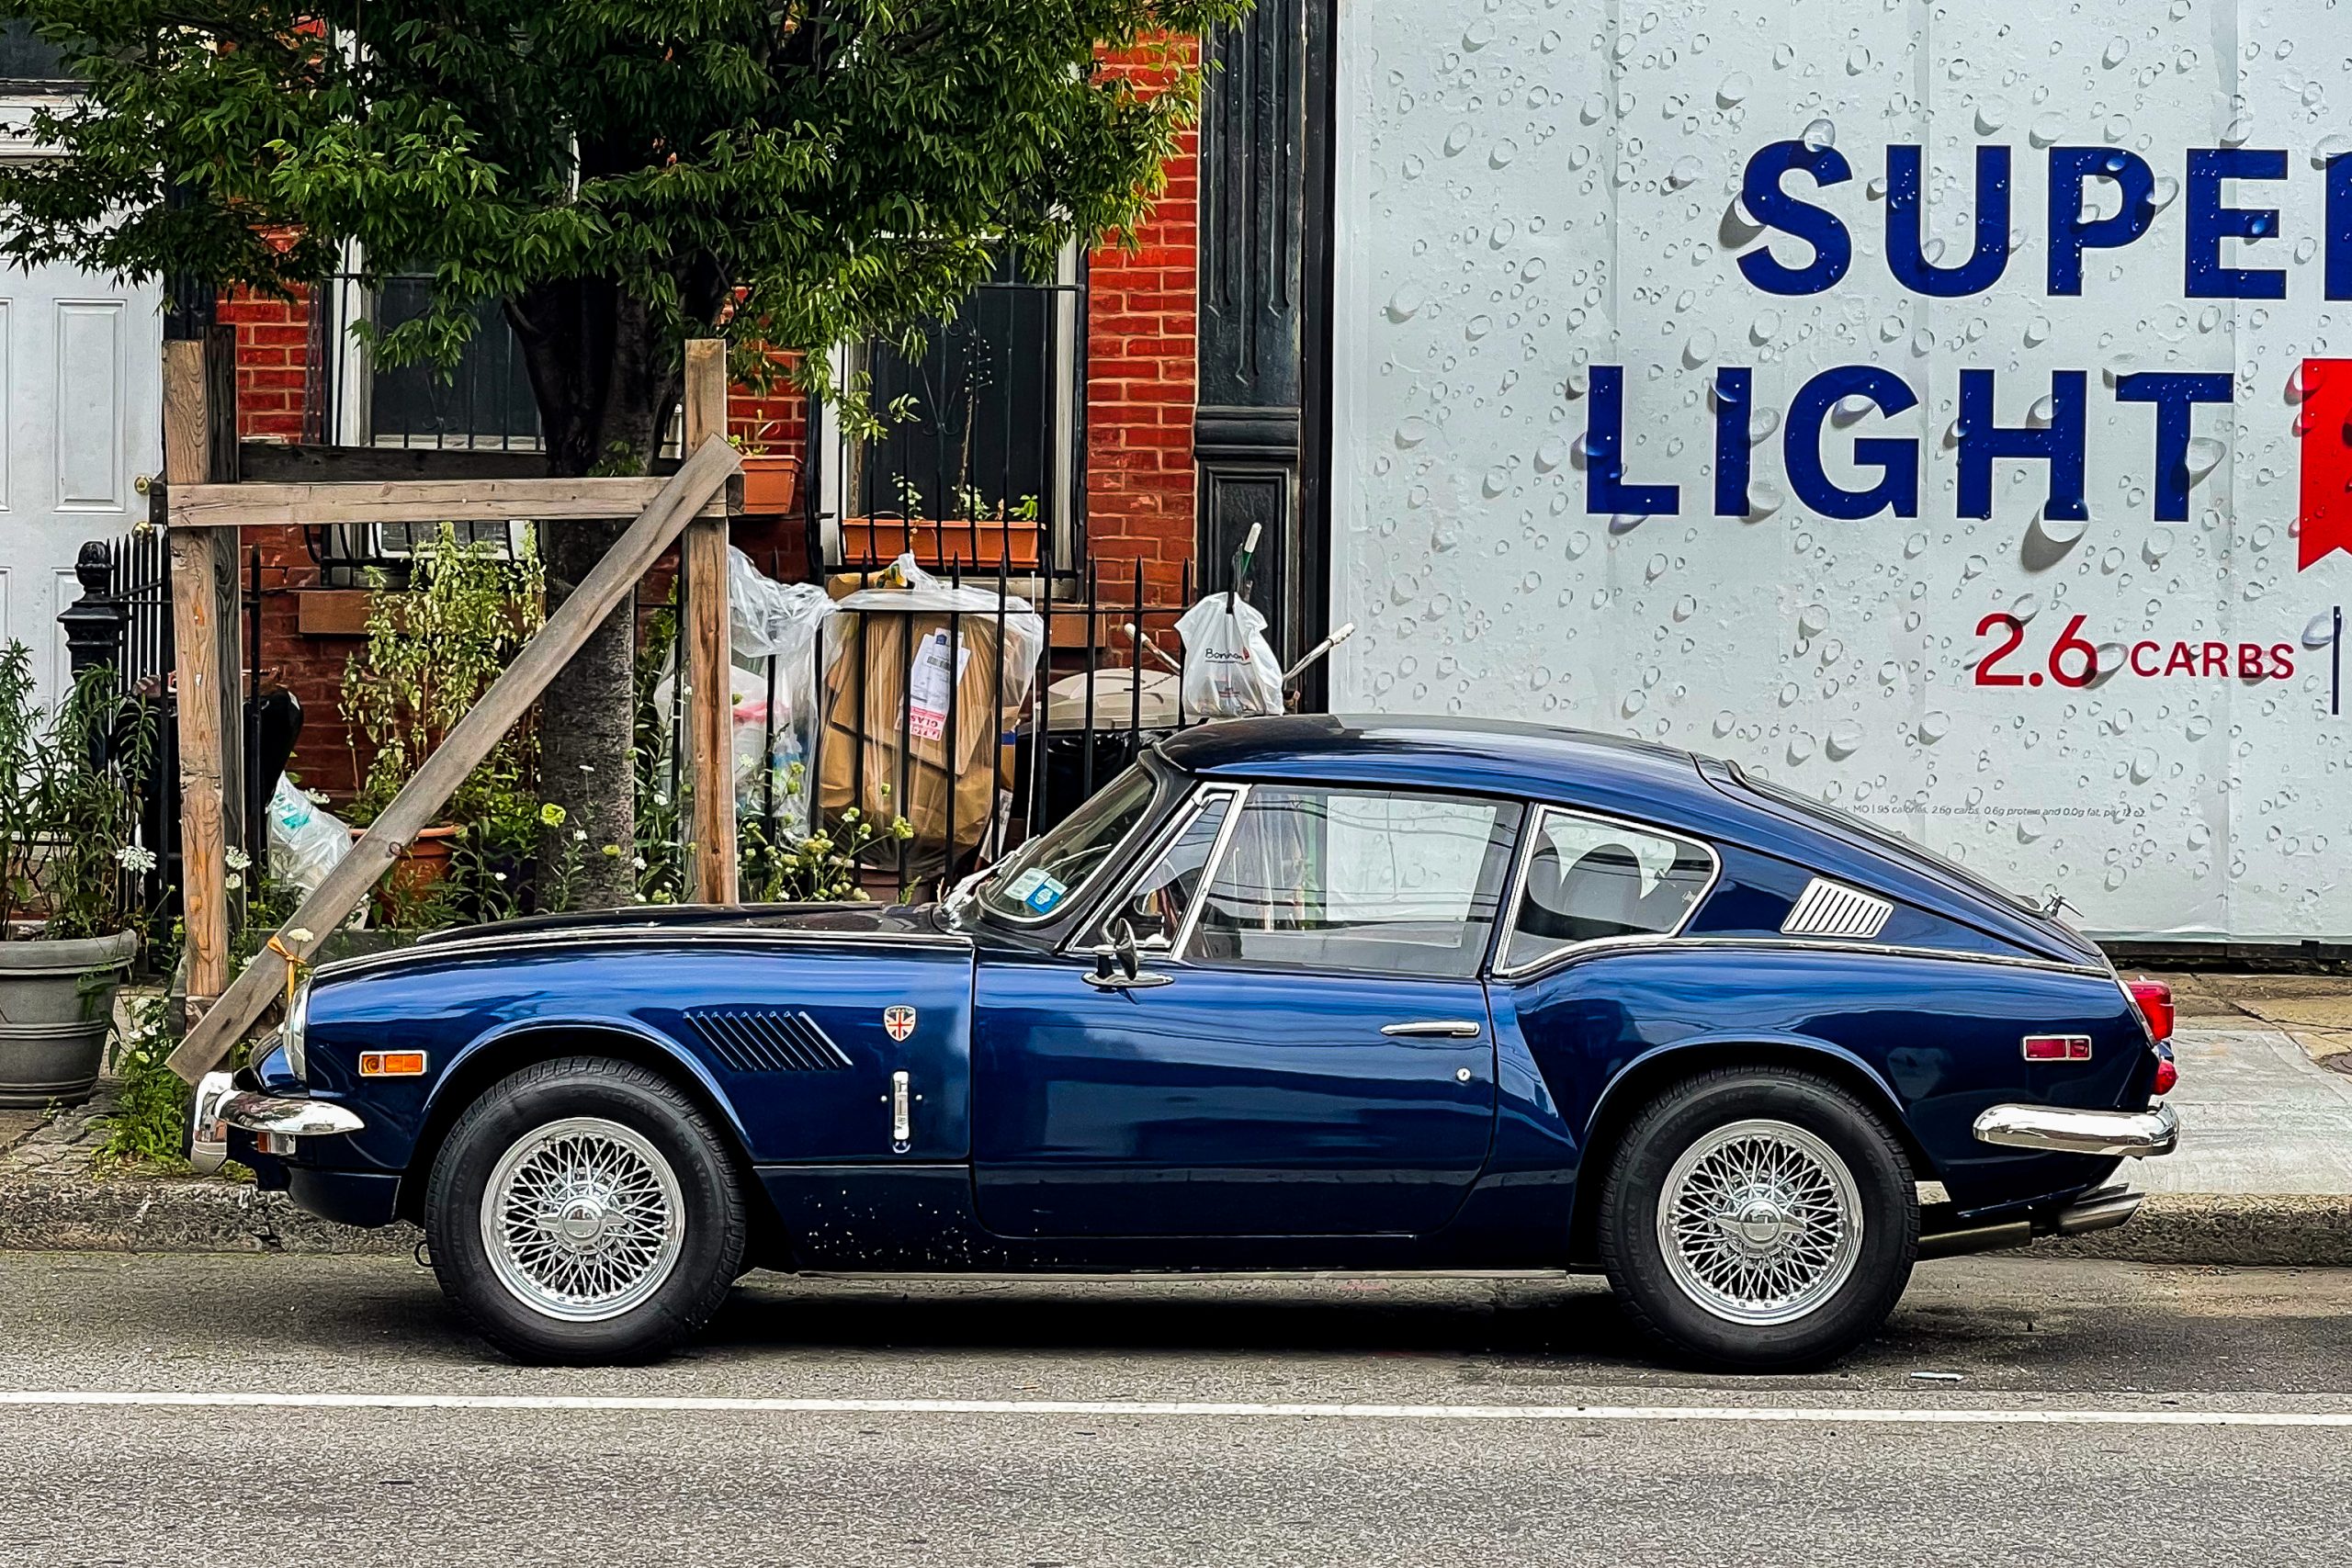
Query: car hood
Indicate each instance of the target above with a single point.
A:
(848, 920)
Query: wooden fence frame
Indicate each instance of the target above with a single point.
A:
(205, 506)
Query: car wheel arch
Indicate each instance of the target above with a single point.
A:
(501, 1054)
(1650, 1075)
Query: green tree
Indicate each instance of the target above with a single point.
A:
(619, 175)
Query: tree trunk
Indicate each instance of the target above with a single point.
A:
(605, 388)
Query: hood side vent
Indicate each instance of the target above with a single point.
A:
(1833, 910)
(765, 1040)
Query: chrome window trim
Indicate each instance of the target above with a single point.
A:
(1602, 947)
(1178, 825)
(1533, 831)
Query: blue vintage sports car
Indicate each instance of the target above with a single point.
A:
(1306, 993)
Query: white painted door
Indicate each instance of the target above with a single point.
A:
(81, 365)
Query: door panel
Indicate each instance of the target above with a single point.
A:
(1225, 1103)
(80, 372)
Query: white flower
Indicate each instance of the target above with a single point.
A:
(498, 876)
(317, 797)
(133, 857)
(298, 934)
(638, 861)
(579, 835)
(234, 881)
(238, 860)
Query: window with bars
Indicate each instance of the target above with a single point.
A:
(977, 462)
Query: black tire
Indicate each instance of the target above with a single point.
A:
(1668, 1297)
(663, 1130)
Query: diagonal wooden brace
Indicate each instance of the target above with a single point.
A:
(422, 798)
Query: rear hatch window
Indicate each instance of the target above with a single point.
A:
(1907, 852)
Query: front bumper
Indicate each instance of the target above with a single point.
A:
(2134, 1134)
(220, 1104)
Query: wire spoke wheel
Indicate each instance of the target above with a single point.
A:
(1761, 1223)
(583, 1219)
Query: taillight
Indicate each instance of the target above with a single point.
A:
(2154, 998)
(2168, 1075)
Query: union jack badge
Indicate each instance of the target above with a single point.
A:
(898, 1020)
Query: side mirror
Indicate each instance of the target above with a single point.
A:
(1118, 964)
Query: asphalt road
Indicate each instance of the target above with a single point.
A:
(2093, 1413)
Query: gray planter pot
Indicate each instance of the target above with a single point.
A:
(56, 1004)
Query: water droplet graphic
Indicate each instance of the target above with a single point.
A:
(1821, 133)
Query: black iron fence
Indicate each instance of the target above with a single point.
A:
(123, 623)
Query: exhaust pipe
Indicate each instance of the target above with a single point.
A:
(2100, 1211)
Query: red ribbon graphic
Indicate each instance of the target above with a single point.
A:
(2327, 460)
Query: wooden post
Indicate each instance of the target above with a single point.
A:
(705, 474)
(710, 663)
(204, 627)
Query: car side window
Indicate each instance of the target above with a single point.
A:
(1370, 881)
(1156, 903)
(1587, 879)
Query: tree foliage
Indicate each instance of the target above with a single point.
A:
(621, 174)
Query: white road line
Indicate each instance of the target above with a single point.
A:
(1732, 1414)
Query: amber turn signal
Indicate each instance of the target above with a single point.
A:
(391, 1063)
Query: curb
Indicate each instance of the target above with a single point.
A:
(165, 1214)
(2246, 1230)
(156, 1214)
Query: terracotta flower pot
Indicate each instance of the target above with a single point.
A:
(417, 871)
(975, 545)
(770, 482)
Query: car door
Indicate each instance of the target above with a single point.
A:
(1305, 1052)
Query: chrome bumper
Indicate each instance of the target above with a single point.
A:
(2137, 1134)
(219, 1105)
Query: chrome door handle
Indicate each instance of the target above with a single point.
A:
(1433, 1029)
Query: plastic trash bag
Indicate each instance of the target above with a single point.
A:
(775, 719)
(305, 840)
(1231, 670)
(1024, 629)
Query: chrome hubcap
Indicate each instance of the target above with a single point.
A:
(583, 1219)
(1761, 1223)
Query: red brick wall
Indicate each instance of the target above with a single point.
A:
(1141, 375)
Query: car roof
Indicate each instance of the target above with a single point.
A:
(1486, 756)
(1615, 776)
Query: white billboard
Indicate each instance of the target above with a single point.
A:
(1941, 411)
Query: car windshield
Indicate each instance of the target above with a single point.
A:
(1037, 877)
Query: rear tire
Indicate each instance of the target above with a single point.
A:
(584, 1212)
(1758, 1219)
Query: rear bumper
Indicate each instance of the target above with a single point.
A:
(2134, 1134)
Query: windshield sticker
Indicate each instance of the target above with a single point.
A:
(1046, 894)
(1024, 885)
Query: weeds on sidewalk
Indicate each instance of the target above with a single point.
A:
(144, 1131)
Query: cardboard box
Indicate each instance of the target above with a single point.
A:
(889, 757)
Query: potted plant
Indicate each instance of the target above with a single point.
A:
(980, 539)
(771, 478)
(432, 651)
(69, 864)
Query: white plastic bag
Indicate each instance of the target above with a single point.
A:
(305, 840)
(1229, 668)
(779, 620)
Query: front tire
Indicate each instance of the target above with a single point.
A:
(585, 1212)
(1758, 1219)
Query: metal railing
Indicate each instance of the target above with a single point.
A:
(122, 623)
